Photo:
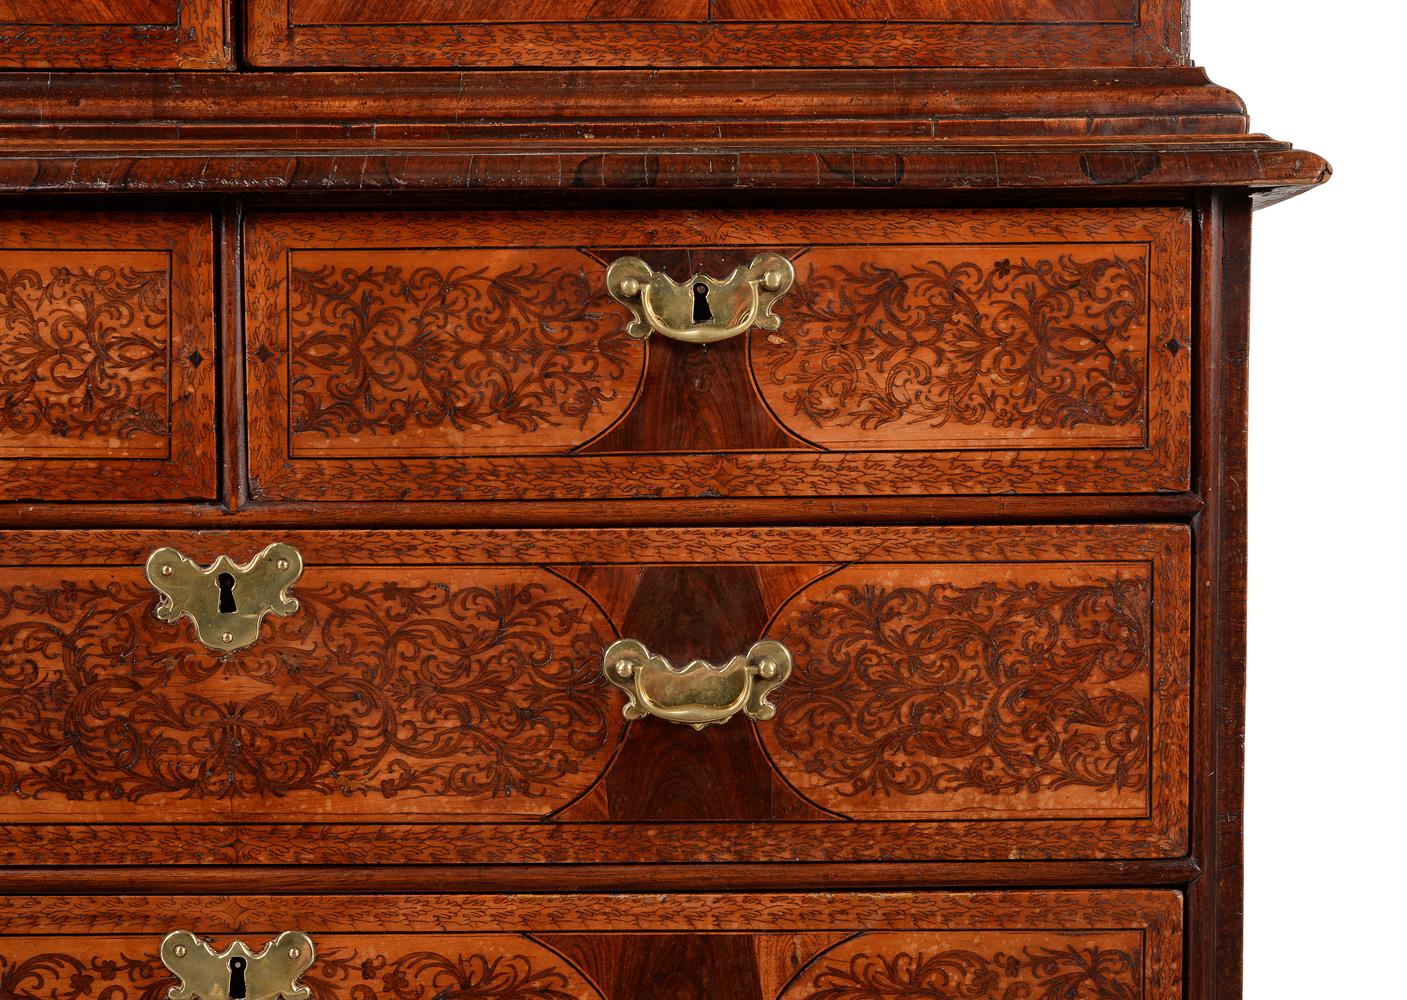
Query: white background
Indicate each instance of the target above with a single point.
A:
(1326, 796)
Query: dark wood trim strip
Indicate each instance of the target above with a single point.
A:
(363, 98)
(359, 167)
(590, 878)
(230, 350)
(1176, 507)
(1214, 931)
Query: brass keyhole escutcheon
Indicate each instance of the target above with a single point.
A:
(227, 601)
(238, 973)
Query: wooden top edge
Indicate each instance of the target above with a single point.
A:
(914, 168)
(616, 94)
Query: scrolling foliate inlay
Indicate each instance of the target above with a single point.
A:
(84, 342)
(963, 347)
(457, 351)
(951, 690)
(987, 966)
(491, 967)
(475, 692)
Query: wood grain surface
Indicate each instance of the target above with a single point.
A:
(115, 34)
(985, 946)
(964, 693)
(940, 352)
(736, 32)
(107, 356)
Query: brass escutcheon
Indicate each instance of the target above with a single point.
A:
(697, 694)
(703, 310)
(238, 972)
(226, 601)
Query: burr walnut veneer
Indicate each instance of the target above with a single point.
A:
(613, 500)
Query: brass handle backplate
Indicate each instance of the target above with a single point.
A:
(697, 694)
(238, 972)
(703, 309)
(226, 601)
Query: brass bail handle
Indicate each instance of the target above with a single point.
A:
(226, 600)
(703, 310)
(697, 694)
(237, 973)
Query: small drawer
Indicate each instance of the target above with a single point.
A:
(898, 694)
(655, 34)
(794, 946)
(114, 34)
(107, 357)
(677, 354)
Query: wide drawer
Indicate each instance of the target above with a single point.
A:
(831, 946)
(440, 696)
(461, 356)
(107, 356)
(715, 33)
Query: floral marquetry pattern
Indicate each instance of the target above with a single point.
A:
(474, 693)
(491, 967)
(967, 346)
(505, 969)
(920, 353)
(933, 690)
(1002, 966)
(84, 342)
(460, 351)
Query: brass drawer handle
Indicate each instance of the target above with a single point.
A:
(226, 601)
(697, 694)
(703, 309)
(238, 972)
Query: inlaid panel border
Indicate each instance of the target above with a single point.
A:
(1163, 465)
(1155, 36)
(187, 470)
(197, 39)
(1163, 834)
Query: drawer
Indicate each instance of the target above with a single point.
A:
(483, 356)
(714, 33)
(831, 946)
(114, 34)
(107, 357)
(461, 696)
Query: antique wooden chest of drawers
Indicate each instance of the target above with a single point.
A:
(604, 501)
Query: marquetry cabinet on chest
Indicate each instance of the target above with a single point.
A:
(630, 500)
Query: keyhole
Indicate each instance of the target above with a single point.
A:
(226, 584)
(237, 990)
(702, 313)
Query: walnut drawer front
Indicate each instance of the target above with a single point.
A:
(1113, 943)
(481, 356)
(439, 696)
(107, 357)
(665, 33)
